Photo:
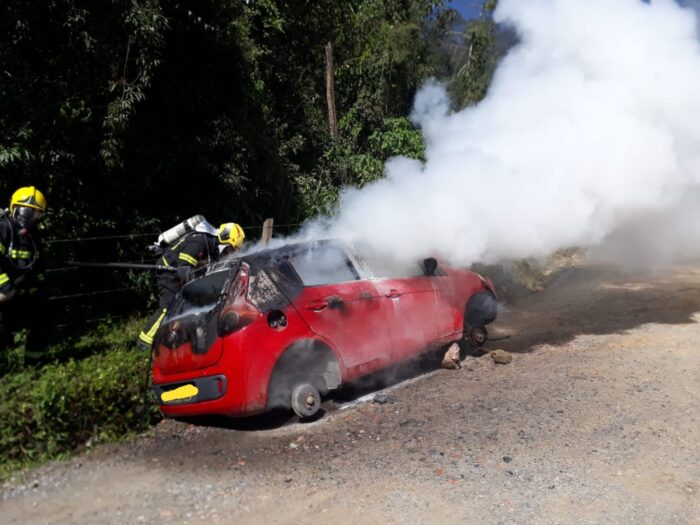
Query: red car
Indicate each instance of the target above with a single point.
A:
(281, 327)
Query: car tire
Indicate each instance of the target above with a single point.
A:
(305, 400)
(477, 336)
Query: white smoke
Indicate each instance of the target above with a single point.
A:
(591, 127)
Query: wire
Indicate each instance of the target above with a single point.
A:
(87, 294)
(135, 235)
(99, 319)
(86, 239)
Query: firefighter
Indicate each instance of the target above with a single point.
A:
(196, 249)
(22, 300)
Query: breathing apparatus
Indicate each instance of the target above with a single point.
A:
(194, 224)
(5, 214)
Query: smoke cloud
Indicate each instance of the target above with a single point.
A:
(589, 136)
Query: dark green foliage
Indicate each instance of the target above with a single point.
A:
(48, 412)
(132, 113)
(347, 163)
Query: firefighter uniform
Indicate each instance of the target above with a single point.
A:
(23, 303)
(189, 253)
(195, 249)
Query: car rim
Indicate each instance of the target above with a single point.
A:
(478, 336)
(306, 400)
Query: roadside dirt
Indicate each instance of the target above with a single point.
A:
(596, 420)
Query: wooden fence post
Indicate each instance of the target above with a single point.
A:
(267, 230)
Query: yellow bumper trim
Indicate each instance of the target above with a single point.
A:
(182, 392)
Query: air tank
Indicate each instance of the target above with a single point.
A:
(176, 232)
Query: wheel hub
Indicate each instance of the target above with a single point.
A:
(306, 400)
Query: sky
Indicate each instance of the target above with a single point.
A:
(467, 8)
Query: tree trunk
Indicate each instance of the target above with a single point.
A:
(330, 91)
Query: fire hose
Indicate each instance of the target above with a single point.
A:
(128, 266)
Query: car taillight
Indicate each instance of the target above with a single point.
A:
(488, 283)
(239, 312)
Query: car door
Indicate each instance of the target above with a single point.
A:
(340, 305)
(449, 310)
(411, 305)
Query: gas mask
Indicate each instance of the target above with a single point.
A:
(27, 217)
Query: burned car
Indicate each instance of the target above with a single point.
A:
(284, 326)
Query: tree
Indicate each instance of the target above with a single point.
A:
(477, 57)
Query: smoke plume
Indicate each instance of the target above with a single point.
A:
(589, 135)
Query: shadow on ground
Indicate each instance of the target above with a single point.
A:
(599, 300)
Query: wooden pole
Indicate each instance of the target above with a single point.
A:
(330, 91)
(267, 230)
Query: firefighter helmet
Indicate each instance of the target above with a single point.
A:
(27, 205)
(30, 197)
(230, 233)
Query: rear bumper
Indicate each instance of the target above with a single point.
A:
(207, 389)
(218, 393)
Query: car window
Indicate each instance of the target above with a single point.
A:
(388, 267)
(317, 265)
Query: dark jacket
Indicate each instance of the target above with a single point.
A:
(194, 250)
(18, 255)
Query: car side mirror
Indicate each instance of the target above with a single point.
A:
(430, 266)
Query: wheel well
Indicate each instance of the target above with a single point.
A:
(304, 361)
(480, 310)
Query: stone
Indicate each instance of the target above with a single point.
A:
(382, 398)
(451, 359)
(501, 357)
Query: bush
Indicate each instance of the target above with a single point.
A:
(48, 412)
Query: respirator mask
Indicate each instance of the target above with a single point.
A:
(27, 217)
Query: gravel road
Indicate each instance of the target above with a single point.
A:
(596, 420)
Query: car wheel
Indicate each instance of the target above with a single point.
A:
(478, 335)
(306, 400)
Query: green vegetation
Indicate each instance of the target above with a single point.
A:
(48, 412)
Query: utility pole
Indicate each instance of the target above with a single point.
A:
(330, 91)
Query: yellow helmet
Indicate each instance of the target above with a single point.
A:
(27, 206)
(30, 197)
(230, 233)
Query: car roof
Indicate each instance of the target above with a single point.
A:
(265, 257)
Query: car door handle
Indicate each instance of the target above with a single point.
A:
(317, 306)
(335, 301)
(393, 294)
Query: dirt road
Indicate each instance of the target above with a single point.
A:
(597, 420)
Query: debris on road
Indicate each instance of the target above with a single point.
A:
(471, 363)
(501, 357)
(451, 359)
(382, 398)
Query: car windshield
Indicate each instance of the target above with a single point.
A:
(206, 290)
